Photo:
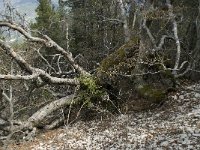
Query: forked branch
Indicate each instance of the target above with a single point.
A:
(48, 43)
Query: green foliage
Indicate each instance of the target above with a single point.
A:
(45, 13)
(48, 21)
(89, 83)
(90, 91)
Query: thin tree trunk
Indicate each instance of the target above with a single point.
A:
(127, 32)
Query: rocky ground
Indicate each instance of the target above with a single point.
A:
(174, 125)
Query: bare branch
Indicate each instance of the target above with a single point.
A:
(48, 42)
(149, 33)
(45, 60)
(175, 30)
(34, 71)
(18, 77)
(22, 31)
(153, 40)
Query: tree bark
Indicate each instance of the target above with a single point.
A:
(127, 32)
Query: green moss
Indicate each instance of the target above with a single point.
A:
(119, 55)
(150, 93)
(113, 59)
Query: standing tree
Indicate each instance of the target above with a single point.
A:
(51, 21)
(45, 16)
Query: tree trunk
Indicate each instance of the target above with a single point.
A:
(127, 31)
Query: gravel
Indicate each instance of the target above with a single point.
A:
(174, 125)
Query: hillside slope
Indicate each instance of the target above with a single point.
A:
(174, 125)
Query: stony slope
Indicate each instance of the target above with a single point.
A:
(174, 125)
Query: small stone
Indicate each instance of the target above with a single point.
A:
(197, 131)
(157, 115)
(61, 136)
(198, 124)
(2, 122)
(181, 97)
(175, 97)
(186, 141)
(106, 131)
(196, 135)
(183, 136)
(160, 138)
(165, 144)
(190, 147)
(197, 95)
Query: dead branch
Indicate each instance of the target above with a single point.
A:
(37, 117)
(175, 30)
(48, 43)
(35, 72)
(18, 77)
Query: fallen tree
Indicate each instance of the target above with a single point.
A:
(136, 76)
